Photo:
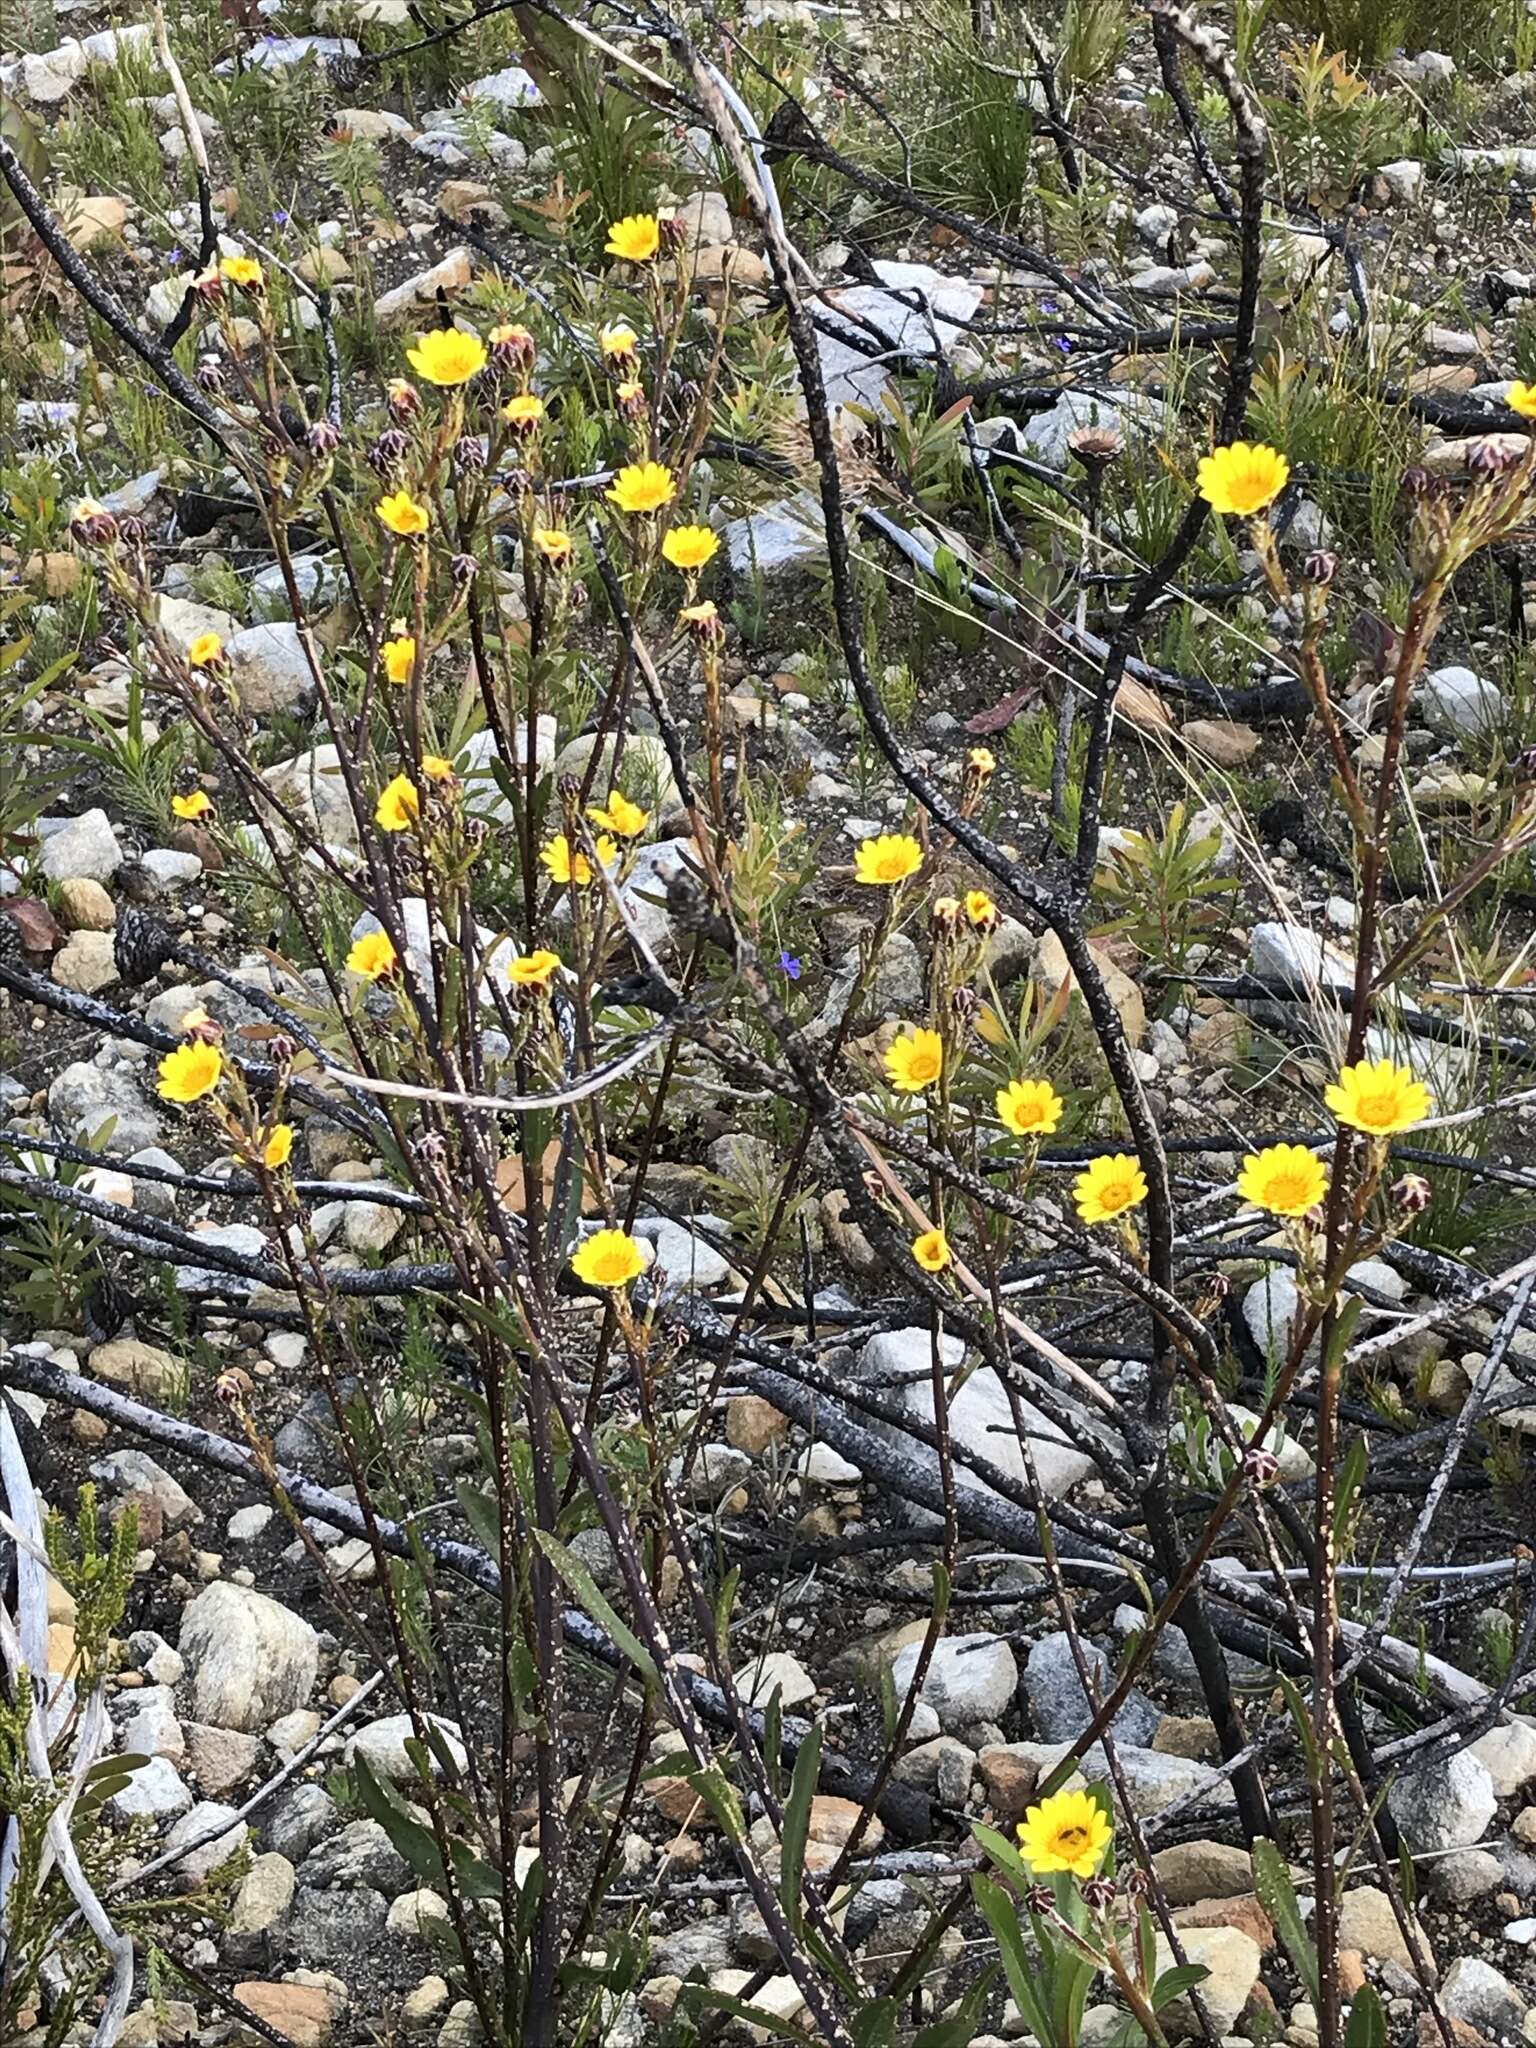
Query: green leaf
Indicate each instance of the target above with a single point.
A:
(409, 1838)
(1277, 1895)
(699, 1996)
(1173, 1982)
(998, 1911)
(480, 1511)
(1367, 2021)
(584, 1586)
(797, 1826)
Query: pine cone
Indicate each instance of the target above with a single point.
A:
(141, 947)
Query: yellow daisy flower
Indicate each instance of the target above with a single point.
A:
(564, 865)
(620, 815)
(1243, 478)
(982, 762)
(532, 970)
(1522, 399)
(1113, 1183)
(403, 515)
(279, 1146)
(399, 805)
(642, 487)
(553, 543)
(634, 239)
(190, 1072)
(887, 860)
(701, 614)
(1288, 1180)
(399, 657)
(1378, 1097)
(617, 340)
(244, 271)
(197, 805)
(980, 910)
(915, 1061)
(524, 411)
(932, 1251)
(1030, 1109)
(1069, 1831)
(205, 650)
(690, 547)
(436, 768)
(447, 356)
(372, 956)
(608, 1258)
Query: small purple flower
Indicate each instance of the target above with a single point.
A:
(1048, 305)
(280, 219)
(175, 255)
(789, 964)
(1063, 342)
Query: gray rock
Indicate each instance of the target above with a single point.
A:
(969, 1679)
(155, 1791)
(1475, 1992)
(320, 584)
(942, 1765)
(509, 88)
(307, 1440)
(718, 1470)
(1048, 434)
(381, 1745)
(697, 1950)
(310, 786)
(268, 668)
(1404, 179)
(362, 1855)
(136, 1472)
(1447, 1806)
(84, 846)
(1461, 703)
(337, 1930)
(264, 1897)
(690, 1262)
(199, 1864)
(1291, 953)
(1465, 1875)
(1192, 1871)
(301, 1817)
(1270, 1309)
(785, 536)
(980, 1415)
(86, 1097)
(155, 1197)
(1058, 1705)
(153, 1729)
(1509, 1754)
(251, 1659)
(243, 1238)
(921, 323)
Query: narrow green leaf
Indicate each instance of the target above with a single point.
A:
(584, 1586)
(797, 1826)
(1367, 2020)
(1277, 1895)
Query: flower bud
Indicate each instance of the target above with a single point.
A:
(1136, 1883)
(1321, 566)
(210, 373)
(1040, 1899)
(321, 438)
(1491, 457)
(1099, 1893)
(132, 531)
(93, 525)
(209, 286)
(404, 398)
(462, 569)
(944, 915)
(1412, 1194)
(234, 1386)
(1095, 447)
(468, 455)
(512, 347)
(388, 452)
(674, 231)
(629, 400)
(965, 1003)
(1261, 1468)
